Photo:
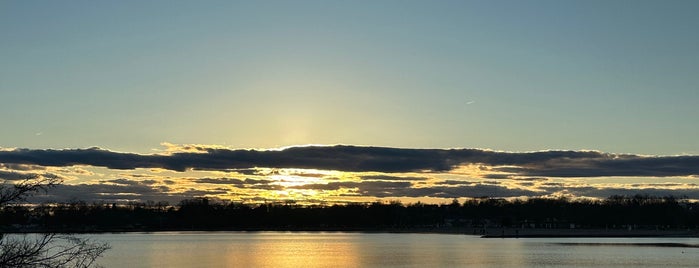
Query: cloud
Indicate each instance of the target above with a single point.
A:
(345, 158)
(406, 189)
(475, 190)
(107, 193)
(497, 176)
(253, 184)
(8, 175)
(232, 181)
(13, 176)
(228, 181)
(125, 182)
(122, 190)
(369, 188)
(189, 148)
(604, 192)
(392, 178)
(455, 182)
(21, 167)
(377, 159)
(470, 190)
(375, 172)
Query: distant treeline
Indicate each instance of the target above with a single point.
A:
(203, 214)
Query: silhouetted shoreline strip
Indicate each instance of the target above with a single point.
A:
(617, 216)
(489, 233)
(585, 233)
(671, 245)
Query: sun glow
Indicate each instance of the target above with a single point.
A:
(294, 180)
(474, 170)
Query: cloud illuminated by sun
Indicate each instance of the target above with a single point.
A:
(171, 148)
(293, 180)
(474, 170)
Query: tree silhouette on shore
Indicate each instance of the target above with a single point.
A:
(44, 249)
(616, 212)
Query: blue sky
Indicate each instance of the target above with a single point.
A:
(616, 76)
(191, 82)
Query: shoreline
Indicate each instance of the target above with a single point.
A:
(588, 233)
(483, 233)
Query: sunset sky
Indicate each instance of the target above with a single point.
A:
(165, 100)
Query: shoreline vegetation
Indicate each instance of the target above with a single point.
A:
(502, 233)
(616, 216)
(492, 233)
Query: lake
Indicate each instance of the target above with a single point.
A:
(337, 249)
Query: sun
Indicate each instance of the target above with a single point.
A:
(294, 177)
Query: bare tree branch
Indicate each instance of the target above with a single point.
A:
(19, 191)
(49, 250)
(42, 250)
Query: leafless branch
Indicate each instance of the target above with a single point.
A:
(42, 250)
(19, 191)
(49, 250)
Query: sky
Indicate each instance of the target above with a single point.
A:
(170, 80)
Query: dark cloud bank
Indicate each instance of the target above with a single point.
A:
(379, 159)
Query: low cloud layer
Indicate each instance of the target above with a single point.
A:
(337, 173)
(376, 159)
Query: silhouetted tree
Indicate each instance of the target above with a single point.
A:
(42, 250)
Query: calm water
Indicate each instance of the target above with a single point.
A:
(318, 249)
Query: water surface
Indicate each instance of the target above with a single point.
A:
(319, 249)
